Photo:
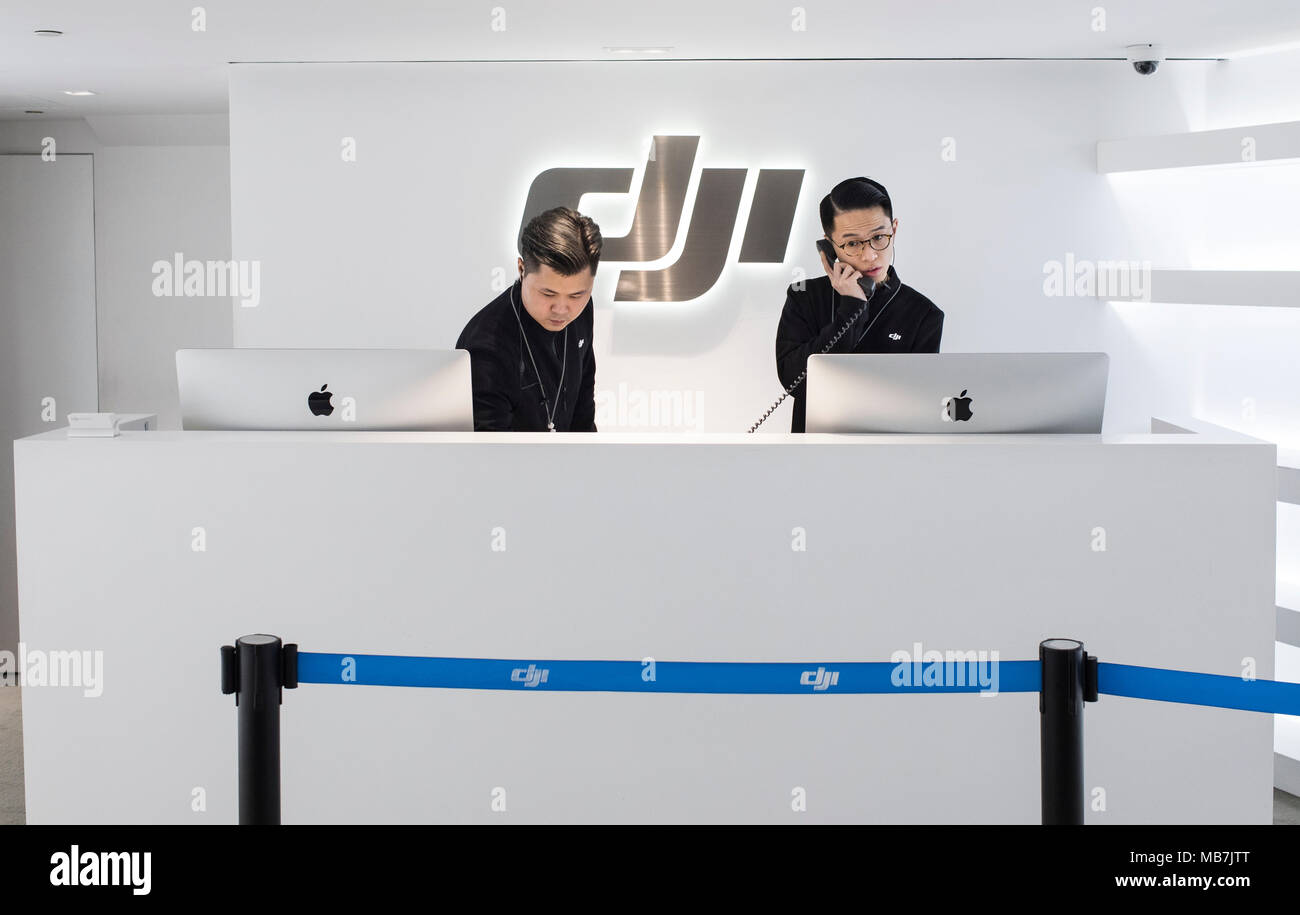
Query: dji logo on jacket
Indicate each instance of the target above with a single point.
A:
(530, 675)
(819, 679)
(658, 218)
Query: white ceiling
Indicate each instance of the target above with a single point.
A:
(143, 57)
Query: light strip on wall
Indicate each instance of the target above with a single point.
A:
(1230, 146)
(1267, 49)
(632, 52)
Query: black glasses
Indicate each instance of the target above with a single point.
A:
(857, 246)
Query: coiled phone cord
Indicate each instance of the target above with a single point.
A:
(827, 348)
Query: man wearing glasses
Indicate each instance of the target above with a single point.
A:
(858, 219)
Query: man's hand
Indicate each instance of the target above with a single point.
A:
(843, 278)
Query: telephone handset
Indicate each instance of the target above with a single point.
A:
(826, 248)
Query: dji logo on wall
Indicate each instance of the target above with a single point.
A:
(531, 675)
(658, 218)
(819, 679)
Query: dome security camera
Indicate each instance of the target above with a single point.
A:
(1145, 58)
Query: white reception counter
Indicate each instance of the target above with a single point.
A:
(158, 547)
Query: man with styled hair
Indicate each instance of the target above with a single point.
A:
(858, 219)
(530, 348)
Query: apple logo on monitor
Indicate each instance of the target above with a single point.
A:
(956, 409)
(319, 401)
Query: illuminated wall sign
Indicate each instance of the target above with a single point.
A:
(659, 215)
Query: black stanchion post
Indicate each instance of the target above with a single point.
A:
(255, 669)
(1069, 679)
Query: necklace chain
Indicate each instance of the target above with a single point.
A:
(564, 364)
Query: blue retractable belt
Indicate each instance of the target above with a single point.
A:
(258, 667)
(669, 676)
(1198, 689)
(824, 677)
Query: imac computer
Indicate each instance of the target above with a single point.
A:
(422, 390)
(946, 393)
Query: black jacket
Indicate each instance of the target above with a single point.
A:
(909, 323)
(506, 393)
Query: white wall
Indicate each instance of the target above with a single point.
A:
(1235, 366)
(1232, 365)
(162, 185)
(149, 201)
(398, 248)
(47, 320)
(157, 201)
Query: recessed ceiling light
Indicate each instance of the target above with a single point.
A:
(48, 33)
(77, 92)
(648, 51)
